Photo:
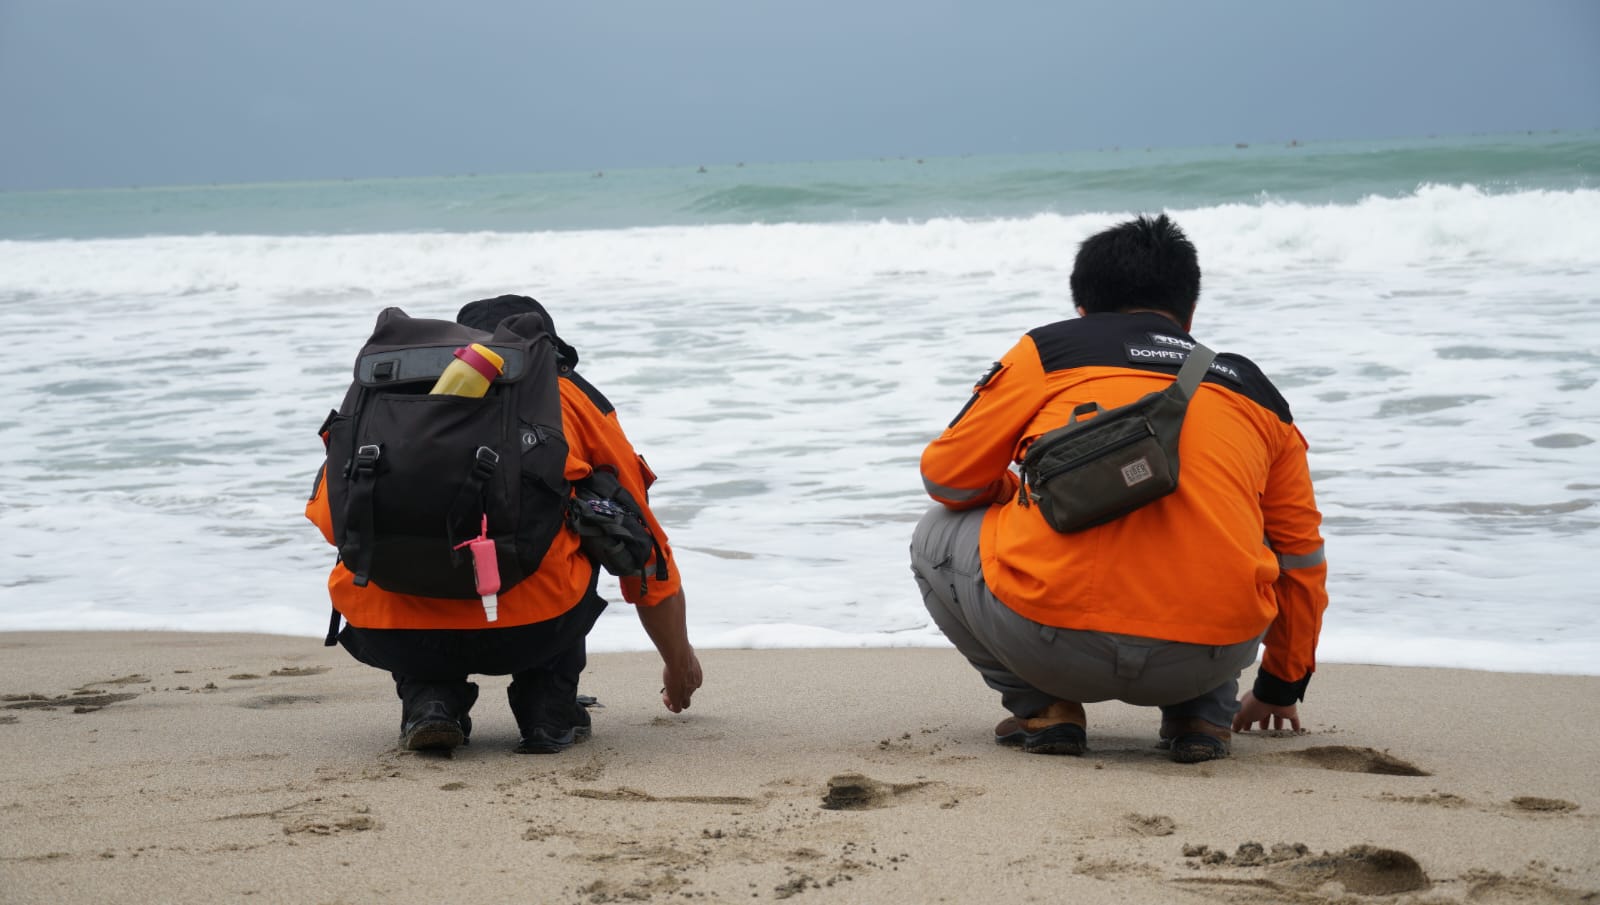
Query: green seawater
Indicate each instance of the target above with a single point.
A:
(894, 189)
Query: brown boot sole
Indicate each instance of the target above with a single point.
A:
(435, 736)
(1058, 738)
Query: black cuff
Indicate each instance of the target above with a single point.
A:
(1270, 689)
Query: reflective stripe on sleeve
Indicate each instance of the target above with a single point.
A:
(950, 493)
(1302, 560)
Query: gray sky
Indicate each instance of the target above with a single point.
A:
(114, 93)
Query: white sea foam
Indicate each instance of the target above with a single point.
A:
(1441, 353)
(1436, 225)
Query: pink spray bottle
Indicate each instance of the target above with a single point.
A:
(485, 570)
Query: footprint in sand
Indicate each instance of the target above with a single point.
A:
(623, 793)
(1490, 888)
(300, 671)
(1348, 759)
(1290, 869)
(1435, 798)
(318, 816)
(80, 701)
(1535, 805)
(1150, 824)
(1249, 854)
(122, 680)
(1362, 869)
(857, 792)
(1521, 805)
(273, 701)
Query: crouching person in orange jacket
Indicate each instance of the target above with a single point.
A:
(537, 631)
(1165, 605)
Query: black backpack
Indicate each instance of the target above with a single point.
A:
(412, 476)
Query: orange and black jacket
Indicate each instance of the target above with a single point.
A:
(594, 441)
(1236, 551)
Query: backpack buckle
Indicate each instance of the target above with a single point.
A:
(366, 459)
(484, 462)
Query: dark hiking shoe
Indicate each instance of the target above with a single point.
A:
(1057, 729)
(434, 728)
(1194, 741)
(556, 739)
(1197, 748)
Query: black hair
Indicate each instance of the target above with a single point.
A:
(1142, 263)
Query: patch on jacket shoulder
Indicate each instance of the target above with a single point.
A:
(1140, 354)
(987, 376)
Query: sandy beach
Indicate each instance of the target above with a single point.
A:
(171, 767)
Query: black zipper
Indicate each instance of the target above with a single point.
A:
(1098, 452)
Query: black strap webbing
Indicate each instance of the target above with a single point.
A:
(465, 517)
(333, 629)
(358, 511)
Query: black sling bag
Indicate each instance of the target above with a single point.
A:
(1091, 471)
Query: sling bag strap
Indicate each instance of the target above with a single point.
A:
(1089, 472)
(1193, 371)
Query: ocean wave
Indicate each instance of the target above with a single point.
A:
(1434, 226)
(164, 394)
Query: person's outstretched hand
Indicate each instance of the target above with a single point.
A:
(666, 625)
(679, 682)
(1270, 716)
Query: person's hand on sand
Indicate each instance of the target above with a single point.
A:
(1270, 716)
(678, 683)
(668, 630)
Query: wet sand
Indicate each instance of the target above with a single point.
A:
(168, 767)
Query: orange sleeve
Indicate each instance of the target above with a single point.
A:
(317, 507)
(596, 441)
(1293, 527)
(969, 465)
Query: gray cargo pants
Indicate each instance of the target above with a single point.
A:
(1031, 664)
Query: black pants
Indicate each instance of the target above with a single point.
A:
(544, 660)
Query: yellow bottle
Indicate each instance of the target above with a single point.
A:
(475, 367)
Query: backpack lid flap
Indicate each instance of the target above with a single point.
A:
(529, 326)
(412, 365)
